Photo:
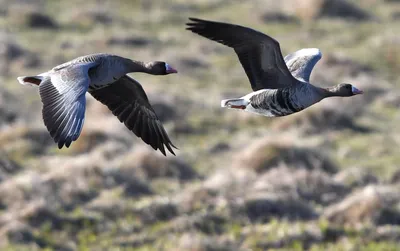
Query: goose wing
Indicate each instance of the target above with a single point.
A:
(64, 103)
(302, 62)
(128, 101)
(259, 54)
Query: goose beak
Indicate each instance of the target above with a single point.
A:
(356, 91)
(169, 69)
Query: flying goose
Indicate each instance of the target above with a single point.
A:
(280, 86)
(63, 88)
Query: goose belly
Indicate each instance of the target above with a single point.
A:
(273, 103)
(270, 110)
(264, 111)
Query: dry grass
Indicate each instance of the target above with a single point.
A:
(323, 179)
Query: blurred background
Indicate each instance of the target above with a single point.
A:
(323, 179)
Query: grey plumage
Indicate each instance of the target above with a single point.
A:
(281, 85)
(302, 62)
(278, 102)
(63, 88)
(63, 113)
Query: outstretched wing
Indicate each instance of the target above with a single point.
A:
(128, 101)
(64, 103)
(302, 62)
(259, 54)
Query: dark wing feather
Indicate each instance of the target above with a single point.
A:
(259, 54)
(128, 101)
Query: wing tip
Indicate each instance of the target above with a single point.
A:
(162, 141)
(65, 142)
(168, 145)
(162, 149)
(162, 145)
(195, 19)
(196, 23)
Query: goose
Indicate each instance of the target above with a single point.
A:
(280, 86)
(62, 91)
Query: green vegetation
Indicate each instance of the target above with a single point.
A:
(109, 191)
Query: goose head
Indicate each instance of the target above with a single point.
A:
(160, 68)
(344, 90)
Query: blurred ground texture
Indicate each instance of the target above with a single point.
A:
(324, 179)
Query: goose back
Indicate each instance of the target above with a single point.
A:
(106, 68)
(91, 58)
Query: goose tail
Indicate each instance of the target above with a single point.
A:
(30, 80)
(237, 103)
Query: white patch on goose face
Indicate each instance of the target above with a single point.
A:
(355, 91)
(167, 67)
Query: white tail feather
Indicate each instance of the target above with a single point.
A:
(30, 80)
(234, 102)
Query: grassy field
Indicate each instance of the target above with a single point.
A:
(323, 179)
